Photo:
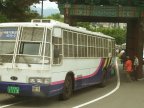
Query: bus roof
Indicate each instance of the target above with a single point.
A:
(51, 24)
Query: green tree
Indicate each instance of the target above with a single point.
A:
(85, 25)
(3, 18)
(57, 17)
(18, 10)
(118, 33)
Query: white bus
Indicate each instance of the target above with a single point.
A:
(48, 58)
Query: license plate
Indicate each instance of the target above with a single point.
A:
(13, 90)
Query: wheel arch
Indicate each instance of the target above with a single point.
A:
(71, 73)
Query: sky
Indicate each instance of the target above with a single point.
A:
(47, 4)
(49, 8)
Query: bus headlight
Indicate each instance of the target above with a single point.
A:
(39, 80)
(47, 80)
(32, 80)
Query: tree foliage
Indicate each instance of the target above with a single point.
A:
(3, 18)
(17, 10)
(85, 25)
(118, 33)
(56, 17)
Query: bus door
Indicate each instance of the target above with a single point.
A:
(57, 46)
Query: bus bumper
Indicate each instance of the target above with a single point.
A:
(22, 89)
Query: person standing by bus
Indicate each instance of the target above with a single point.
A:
(123, 58)
(128, 68)
(135, 64)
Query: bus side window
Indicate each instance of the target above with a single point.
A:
(57, 50)
(56, 53)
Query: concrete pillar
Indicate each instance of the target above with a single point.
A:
(134, 42)
(67, 18)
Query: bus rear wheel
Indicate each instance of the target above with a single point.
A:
(68, 89)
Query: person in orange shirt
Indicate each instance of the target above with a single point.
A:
(128, 68)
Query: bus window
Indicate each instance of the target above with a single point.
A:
(29, 59)
(6, 47)
(48, 38)
(57, 32)
(29, 48)
(32, 34)
(47, 51)
(7, 43)
(57, 50)
(56, 53)
(30, 45)
(29, 53)
(110, 47)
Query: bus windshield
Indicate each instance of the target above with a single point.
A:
(27, 45)
(30, 45)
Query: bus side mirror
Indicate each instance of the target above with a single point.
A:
(56, 53)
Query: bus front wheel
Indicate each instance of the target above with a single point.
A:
(68, 89)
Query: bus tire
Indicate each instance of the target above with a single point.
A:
(67, 89)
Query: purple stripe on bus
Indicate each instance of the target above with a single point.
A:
(91, 75)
